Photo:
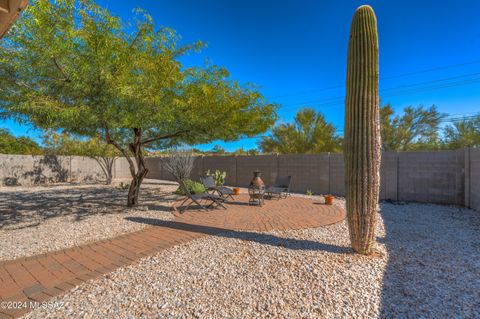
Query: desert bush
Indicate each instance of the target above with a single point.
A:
(192, 186)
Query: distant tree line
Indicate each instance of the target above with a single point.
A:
(417, 128)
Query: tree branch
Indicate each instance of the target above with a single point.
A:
(161, 137)
(66, 77)
(121, 149)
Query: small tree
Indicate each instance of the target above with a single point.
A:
(309, 133)
(218, 150)
(10, 144)
(71, 65)
(94, 148)
(416, 128)
(464, 133)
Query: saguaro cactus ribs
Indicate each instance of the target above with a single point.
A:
(362, 130)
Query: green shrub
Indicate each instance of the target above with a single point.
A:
(192, 186)
(123, 186)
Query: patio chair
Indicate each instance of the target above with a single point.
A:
(210, 185)
(281, 188)
(213, 200)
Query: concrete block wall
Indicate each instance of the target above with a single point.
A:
(27, 170)
(434, 177)
(445, 177)
(337, 175)
(267, 164)
(84, 169)
(472, 178)
(389, 176)
(121, 168)
(198, 168)
(308, 171)
(165, 173)
(154, 168)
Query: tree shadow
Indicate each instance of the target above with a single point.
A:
(261, 238)
(57, 173)
(29, 208)
(433, 268)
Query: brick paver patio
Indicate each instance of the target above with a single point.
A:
(31, 281)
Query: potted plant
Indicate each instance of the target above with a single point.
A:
(328, 199)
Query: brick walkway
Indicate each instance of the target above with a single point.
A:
(27, 281)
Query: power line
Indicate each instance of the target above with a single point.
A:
(383, 78)
(450, 119)
(395, 91)
(402, 86)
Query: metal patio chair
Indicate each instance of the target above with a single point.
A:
(223, 191)
(212, 199)
(281, 187)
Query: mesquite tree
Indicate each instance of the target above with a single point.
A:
(71, 65)
(362, 131)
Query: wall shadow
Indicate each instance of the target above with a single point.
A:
(261, 238)
(433, 270)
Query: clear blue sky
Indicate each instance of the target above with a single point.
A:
(295, 50)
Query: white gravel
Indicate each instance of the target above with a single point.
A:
(430, 268)
(39, 219)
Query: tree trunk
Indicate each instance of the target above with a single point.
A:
(137, 174)
(106, 164)
(108, 174)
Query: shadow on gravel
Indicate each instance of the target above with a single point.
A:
(22, 209)
(261, 238)
(433, 269)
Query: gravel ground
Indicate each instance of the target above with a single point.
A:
(429, 268)
(39, 219)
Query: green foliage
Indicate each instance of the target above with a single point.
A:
(218, 150)
(417, 128)
(192, 186)
(10, 144)
(218, 176)
(309, 192)
(242, 151)
(95, 75)
(123, 186)
(464, 133)
(309, 133)
(65, 144)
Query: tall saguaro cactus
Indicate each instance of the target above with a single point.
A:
(362, 131)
